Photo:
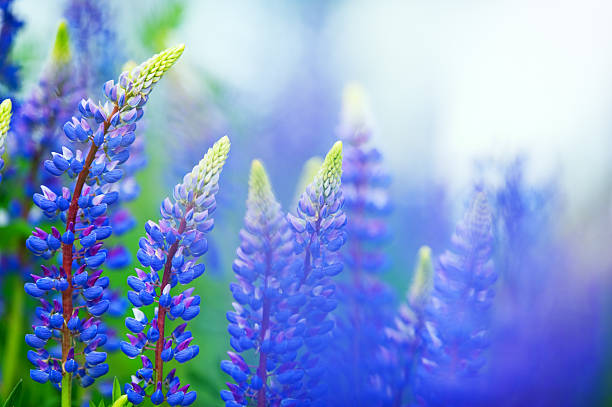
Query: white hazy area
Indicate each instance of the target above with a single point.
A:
(449, 82)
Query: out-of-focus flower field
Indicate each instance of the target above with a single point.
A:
(305, 203)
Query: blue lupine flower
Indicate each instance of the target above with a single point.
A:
(9, 71)
(318, 226)
(283, 299)
(406, 332)
(37, 128)
(359, 346)
(97, 51)
(260, 320)
(456, 318)
(82, 208)
(173, 245)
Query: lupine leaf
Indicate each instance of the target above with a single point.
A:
(116, 389)
(14, 399)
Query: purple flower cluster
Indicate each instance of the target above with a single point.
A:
(283, 299)
(261, 321)
(366, 303)
(173, 246)
(11, 25)
(456, 317)
(76, 287)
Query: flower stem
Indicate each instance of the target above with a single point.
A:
(12, 350)
(68, 248)
(67, 390)
(161, 315)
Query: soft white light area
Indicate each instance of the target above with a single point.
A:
(454, 81)
(252, 46)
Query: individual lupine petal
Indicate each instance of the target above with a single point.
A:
(157, 397)
(135, 393)
(130, 350)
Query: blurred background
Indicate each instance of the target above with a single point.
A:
(458, 93)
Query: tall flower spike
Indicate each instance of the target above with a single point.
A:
(9, 71)
(38, 127)
(366, 302)
(456, 316)
(407, 329)
(106, 131)
(97, 52)
(5, 120)
(173, 245)
(318, 227)
(261, 322)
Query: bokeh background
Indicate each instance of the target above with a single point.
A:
(458, 91)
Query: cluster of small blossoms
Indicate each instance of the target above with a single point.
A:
(365, 301)
(5, 122)
(37, 129)
(9, 71)
(76, 288)
(318, 229)
(364, 184)
(173, 245)
(407, 329)
(456, 321)
(262, 321)
(98, 54)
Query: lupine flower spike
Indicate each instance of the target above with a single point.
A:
(38, 128)
(260, 321)
(318, 226)
(365, 301)
(283, 299)
(5, 120)
(173, 245)
(456, 319)
(9, 70)
(407, 329)
(77, 286)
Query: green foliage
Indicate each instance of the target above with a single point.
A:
(14, 234)
(14, 398)
(159, 24)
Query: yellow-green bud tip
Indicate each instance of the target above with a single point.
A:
(422, 280)
(333, 161)
(5, 119)
(259, 183)
(328, 178)
(61, 47)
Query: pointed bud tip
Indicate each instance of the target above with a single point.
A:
(61, 47)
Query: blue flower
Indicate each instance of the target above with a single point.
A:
(11, 25)
(456, 321)
(259, 322)
(82, 207)
(173, 245)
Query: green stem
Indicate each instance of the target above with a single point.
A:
(14, 335)
(67, 390)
